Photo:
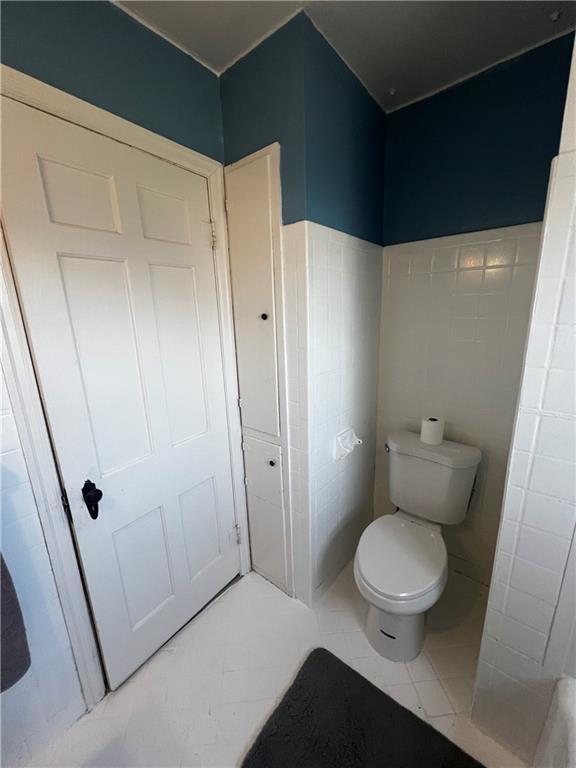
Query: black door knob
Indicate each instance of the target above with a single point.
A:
(264, 316)
(272, 463)
(92, 496)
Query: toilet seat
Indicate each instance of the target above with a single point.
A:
(401, 566)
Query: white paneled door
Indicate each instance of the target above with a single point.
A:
(113, 258)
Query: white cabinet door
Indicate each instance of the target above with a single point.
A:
(113, 260)
(263, 462)
(249, 200)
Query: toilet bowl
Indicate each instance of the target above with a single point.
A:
(401, 570)
(400, 565)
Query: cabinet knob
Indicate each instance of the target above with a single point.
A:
(264, 316)
(272, 463)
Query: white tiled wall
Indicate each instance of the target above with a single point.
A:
(48, 698)
(517, 668)
(295, 263)
(454, 320)
(332, 305)
(344, 278)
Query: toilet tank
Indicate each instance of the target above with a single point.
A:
(433, 482)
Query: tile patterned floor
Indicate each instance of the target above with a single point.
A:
(204, 696)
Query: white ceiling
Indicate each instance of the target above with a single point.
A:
(401, 51)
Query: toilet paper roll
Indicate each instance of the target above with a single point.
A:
(432, 431)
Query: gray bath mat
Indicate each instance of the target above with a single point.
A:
(332, 717)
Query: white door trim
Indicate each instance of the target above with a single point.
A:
(34, 93)
(224, 294)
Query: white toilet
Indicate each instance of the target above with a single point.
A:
(401, 562)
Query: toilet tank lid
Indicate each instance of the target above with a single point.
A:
(455, 455)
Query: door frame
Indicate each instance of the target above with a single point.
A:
(43, 467)
(36, 447)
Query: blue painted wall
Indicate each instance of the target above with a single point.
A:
(295, 89)
(473, 157)
(477, 155)
(96, 52)
(344, 145)
(263, 102)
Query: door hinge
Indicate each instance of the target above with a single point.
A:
(66, 504)
(237, 530)
(241, 403)
(214, 237)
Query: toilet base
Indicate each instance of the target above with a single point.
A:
(396, 637)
